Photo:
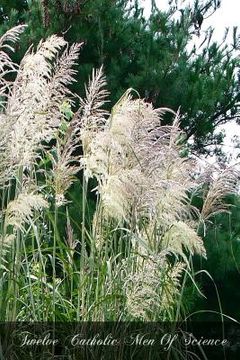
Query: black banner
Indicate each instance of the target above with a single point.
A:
(120, 340)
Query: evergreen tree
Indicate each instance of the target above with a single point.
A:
(222, 242)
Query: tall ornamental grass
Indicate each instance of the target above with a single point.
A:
(133, 260)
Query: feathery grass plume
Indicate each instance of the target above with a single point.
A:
(226, 182)
(31, 88)
(70, 240)
(64, 75)
(180, 237)
(92, 114)
(138, 165)
(33, 112)
(152, 290)
(142, 178)
(20, 210)
(11, 35)
(6, 64)
(6, 124)
(5, 246)
(65, 164)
